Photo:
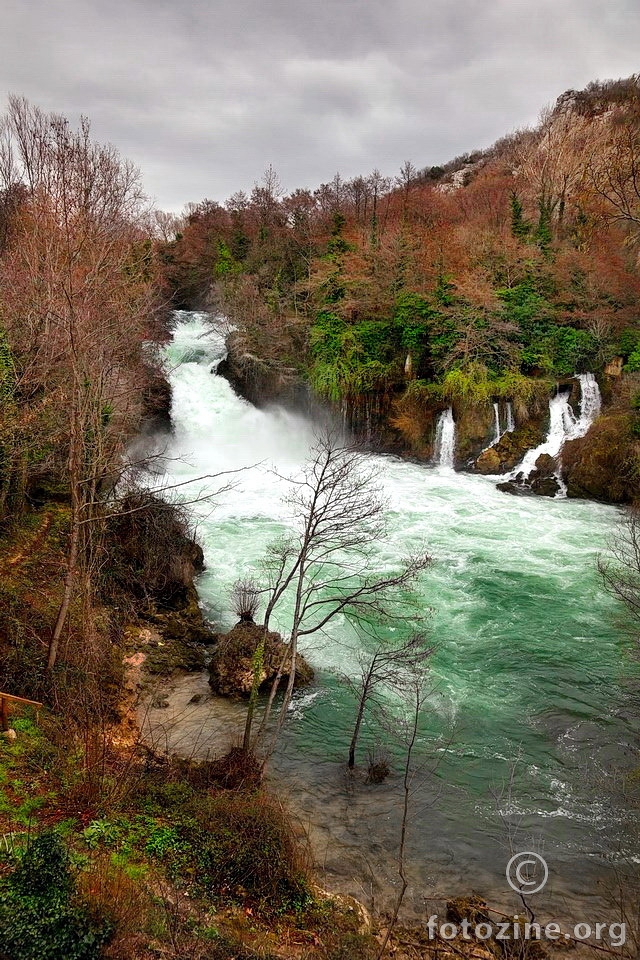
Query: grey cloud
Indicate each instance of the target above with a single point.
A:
(202, 96)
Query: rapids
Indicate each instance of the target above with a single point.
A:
(534, 684)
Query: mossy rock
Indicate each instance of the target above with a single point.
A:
(605, 463)
(510, 450)
(232, 665)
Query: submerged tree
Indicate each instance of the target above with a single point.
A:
(394, 666)
(328, 567)
(620, 570)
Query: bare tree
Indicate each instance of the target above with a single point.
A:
(613, 168)
(406, 180)
(328, 566)
(392, 666)
(418, 694)
(76, 297)
(620, 570)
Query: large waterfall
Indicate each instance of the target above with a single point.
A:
(527, 661)
(563, 423)
(445, 446)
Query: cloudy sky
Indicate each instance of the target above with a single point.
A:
(203, 95)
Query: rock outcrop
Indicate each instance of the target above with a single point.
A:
(232, 665)
(263, 383)
(605, 463)
(510, 450)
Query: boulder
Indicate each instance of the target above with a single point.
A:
(542, 481)
(231, 668)
(544, 486)
(514, 487)
(489, 462)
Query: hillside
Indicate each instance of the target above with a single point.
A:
(487, 280)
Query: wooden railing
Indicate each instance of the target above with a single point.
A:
(5, 700)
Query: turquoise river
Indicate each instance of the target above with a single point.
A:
(533, 715)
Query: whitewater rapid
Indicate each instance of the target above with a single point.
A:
(530, 670)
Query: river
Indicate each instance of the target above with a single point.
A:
(534, 704)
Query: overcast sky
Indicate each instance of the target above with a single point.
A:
(203, 95)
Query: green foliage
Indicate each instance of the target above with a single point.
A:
(226, 265)
(7, 369)
(424, 391)
(444, 291)
(469, 385)
(162, 840)
(350, 359)
(411, 316)
(520, 227)
(513, 385)
(633, 363)
(101, 832)
(326, 337)
(337, 244)
(571, 350)
(629, 341)
(41, 915)
(544, 234)
(527, 308)
(546, 345)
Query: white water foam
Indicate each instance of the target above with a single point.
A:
(445, 446)
(563, 423)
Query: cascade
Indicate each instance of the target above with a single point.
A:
(590, 404)
(496, 417)
(563, 423)
(445, 439)
(511, 423)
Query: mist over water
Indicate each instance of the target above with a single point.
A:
(530, 665)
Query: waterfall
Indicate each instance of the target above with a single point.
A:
(445, 439)
(563, 423)
(511, 423)
(496, 419)
(590, 404)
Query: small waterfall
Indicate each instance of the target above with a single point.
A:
(563, 423)
(511, 423)
(590, 404)
(496, 419)
(445, 439)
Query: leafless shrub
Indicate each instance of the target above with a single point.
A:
(245, 599)
(378, 765)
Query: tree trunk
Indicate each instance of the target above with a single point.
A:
(69, 584)
(356, 730)
(258, 660)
